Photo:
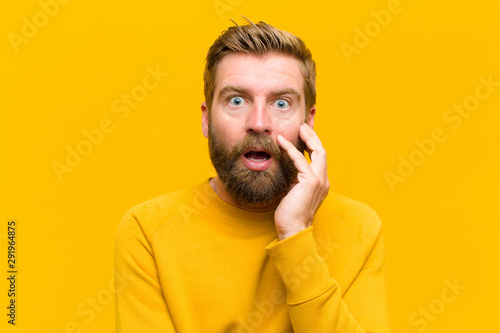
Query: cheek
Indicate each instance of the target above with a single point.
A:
(291, 135)
(225, 133)
(231, 131)
(289, 129)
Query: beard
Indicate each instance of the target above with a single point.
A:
(250, 187)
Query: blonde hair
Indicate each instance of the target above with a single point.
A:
(260, 39)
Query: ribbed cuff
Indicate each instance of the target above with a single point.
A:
(304, 272)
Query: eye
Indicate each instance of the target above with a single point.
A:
(281, 104)
(237, 101)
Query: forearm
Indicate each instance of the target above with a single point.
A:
(315, 298)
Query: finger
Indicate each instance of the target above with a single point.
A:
(296, 156)
(318, 152)
(310, 138)
(313, 133)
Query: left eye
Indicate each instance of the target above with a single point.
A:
(281, 104)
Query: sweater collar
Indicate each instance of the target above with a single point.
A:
(207, 196)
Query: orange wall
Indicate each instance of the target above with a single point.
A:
(404, 110)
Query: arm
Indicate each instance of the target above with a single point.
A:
(314, 297)
(140, 306)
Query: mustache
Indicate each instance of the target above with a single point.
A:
(265, 142)
(257, 140)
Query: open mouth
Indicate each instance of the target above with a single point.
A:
(257, 160)
(257, 156)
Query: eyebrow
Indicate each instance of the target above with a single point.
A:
(285, 91)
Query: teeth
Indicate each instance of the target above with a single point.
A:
(257, 156)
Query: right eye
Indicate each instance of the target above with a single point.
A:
(237, 101)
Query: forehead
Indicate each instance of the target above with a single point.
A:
(259, 73)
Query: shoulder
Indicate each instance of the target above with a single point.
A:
(352, 216)
(153, 215)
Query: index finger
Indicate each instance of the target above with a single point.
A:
(296, 156)
(317, 151)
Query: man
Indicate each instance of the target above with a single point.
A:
(262, 247)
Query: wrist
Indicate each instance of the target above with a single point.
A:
(282, 234)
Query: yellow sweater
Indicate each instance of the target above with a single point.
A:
(190, 262)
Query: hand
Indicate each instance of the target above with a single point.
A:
(305, 195)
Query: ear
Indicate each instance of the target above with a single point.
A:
(310, 119)
(204, 119)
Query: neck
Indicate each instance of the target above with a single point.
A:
(221, 192)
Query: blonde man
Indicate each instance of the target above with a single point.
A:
(262, 247)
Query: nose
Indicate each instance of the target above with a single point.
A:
(259, 119)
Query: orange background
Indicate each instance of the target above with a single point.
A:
(65, 68)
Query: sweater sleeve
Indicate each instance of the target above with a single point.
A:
(314, 297)
(139, 302)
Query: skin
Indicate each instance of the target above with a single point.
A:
(260, 78)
